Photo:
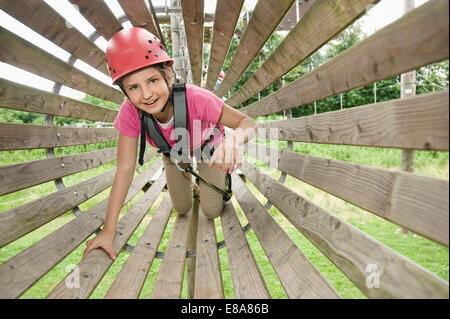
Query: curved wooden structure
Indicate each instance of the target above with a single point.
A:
(418, 203)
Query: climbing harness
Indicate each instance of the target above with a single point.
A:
(180, 151)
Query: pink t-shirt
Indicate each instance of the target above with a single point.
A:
(203, 112)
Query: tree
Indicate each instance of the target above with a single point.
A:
(271, 44)
(385, 90)
(13, 116)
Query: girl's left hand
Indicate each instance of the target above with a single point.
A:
(228, 155)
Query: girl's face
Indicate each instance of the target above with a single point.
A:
(147, 89)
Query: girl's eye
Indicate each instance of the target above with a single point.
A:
(132, 88)
(153, 81)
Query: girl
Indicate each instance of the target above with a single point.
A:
(139, 64)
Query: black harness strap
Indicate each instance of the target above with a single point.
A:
(181, 150)
(143, 138)
(149, 125)
(179, 105)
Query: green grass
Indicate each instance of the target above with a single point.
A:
(422, 251)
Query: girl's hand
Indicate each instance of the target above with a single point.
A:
(228, 155)
(230, 152)
(104, 241)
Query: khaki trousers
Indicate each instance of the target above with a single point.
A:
(180, 188)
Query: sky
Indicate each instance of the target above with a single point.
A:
(376, 17)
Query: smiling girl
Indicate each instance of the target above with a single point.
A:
(140, 65)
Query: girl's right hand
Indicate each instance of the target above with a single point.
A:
(104, 241)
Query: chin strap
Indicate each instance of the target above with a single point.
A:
(170, 98)
(123, 90)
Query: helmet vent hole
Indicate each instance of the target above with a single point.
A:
(146, 57)
(149, 51)
(150, 41)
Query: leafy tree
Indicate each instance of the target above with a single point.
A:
(432, 77)
(97, 101)
(14, 116)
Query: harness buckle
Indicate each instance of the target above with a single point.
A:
(227, 195)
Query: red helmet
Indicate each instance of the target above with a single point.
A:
(133, 49)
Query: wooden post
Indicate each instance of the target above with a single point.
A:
(408, 89)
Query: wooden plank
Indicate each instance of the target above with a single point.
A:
(208, 279)
(16, 96)
(297, 274)
(309, 35)
(139, 15)
(348, 248)
(247, 278)
(421, 37)
(23, 175)
(18, 52)
(415, 202)
(227, 15)
(40, 17)
(23, 270)
(99, 15)
(95, 265)
(19, 221)
(265, 19)
(419, 122)
(29, 136)
(130, 280)
(193, 16)
(170, 276)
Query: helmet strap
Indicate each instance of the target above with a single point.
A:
(123, 90)
(170, 98)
